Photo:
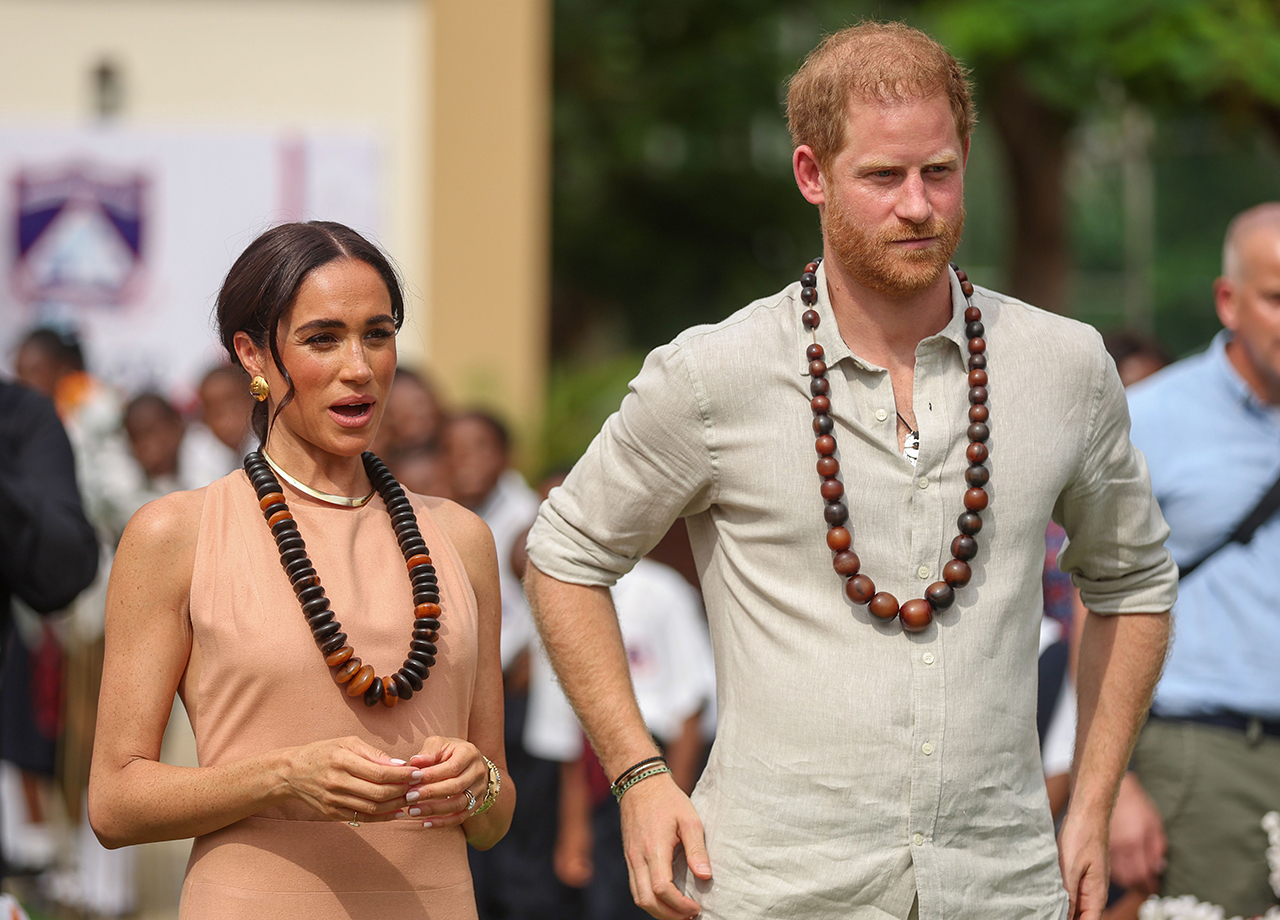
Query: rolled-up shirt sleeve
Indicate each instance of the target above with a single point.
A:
(651, 463)
(1115, 550)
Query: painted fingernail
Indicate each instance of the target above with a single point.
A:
(412, 796)
(399, 763)
(414, 812)
(415, 776)
(426, 824)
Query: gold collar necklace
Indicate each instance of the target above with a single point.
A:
(340, 500)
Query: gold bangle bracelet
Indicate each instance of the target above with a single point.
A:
(491, 788)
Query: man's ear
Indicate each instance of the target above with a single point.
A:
(808, 175)
(1224, 301)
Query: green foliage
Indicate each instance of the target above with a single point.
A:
(1165, 52)
(581, 395)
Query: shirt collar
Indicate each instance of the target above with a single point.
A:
(833, 343)
(1231, 379)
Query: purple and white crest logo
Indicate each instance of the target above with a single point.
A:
(79, 236)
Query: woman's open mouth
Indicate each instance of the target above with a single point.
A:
(352, 415)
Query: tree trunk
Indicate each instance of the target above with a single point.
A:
(1034, 137)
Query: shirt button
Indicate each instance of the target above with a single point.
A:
(918, 840)
(923, 571)
(928, 657)
(924, 483)
(927, 747)
(881, 415)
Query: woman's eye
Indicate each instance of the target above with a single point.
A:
(321, 338)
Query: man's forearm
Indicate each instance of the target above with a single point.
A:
(579, 628)
(1120, 661)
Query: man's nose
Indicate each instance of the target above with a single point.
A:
(913, 202)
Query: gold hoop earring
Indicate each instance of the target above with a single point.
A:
(259, 389)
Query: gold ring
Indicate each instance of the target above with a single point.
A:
(353, 822)
(471, 799)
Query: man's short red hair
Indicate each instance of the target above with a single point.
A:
(872, 62)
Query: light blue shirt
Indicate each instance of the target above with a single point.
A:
(1213, 449)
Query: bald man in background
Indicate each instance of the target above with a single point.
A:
(1207, 765)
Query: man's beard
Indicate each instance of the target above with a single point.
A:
(874, 262)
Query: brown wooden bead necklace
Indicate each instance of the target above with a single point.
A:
(916, 614)
(338, 655)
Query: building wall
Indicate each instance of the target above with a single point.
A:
(457, 91)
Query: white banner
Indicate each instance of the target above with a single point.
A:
(124, 236)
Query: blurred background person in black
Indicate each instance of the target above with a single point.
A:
(48, 550)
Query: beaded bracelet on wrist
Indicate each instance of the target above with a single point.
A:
(643, 774)
(338, 655)
(626, 774)
(916, 614)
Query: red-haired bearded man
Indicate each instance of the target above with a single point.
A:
(875, 619)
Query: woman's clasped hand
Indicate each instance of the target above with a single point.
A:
(347, 779)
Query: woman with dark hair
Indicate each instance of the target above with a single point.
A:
(329, 785)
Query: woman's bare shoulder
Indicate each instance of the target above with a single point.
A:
(166, 527)
(464, 527)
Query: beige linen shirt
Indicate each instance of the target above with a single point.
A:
(856, 765)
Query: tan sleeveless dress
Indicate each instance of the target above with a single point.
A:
(257, 682)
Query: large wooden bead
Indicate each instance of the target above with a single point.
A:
(361, 682)
(810, 297)
(828, 467)
(859, 589)
(846, 563)
(812, 267)
(285, 515)
(823, 424)
(964, 547)
(808, 279)
(940, 594)
(979, 413)
(975, 499)
(972, 315)
(341, 655)
(835, 513)
(884, 605)
(347, 671)
(977, 394)
(817, 368)
(403, 688)
(820, 404)
(974, 330)
(977, 475)
(814, 352)
(977, 378)
(969, 523)
(413, 677)
(966, 288)
(825, 445)
(270, 499)
(426, 610)
(976, 361)
(977, 346)
(916, 615)
(976, 452)
(832, 489)
(417, 560)
(956, 573)
(333, 643)
(373, 694)
(390, 693)
(978, 432)
(839, 539)
(819, 386)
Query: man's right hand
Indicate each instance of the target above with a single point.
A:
(1138, 842)
(656, 819)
